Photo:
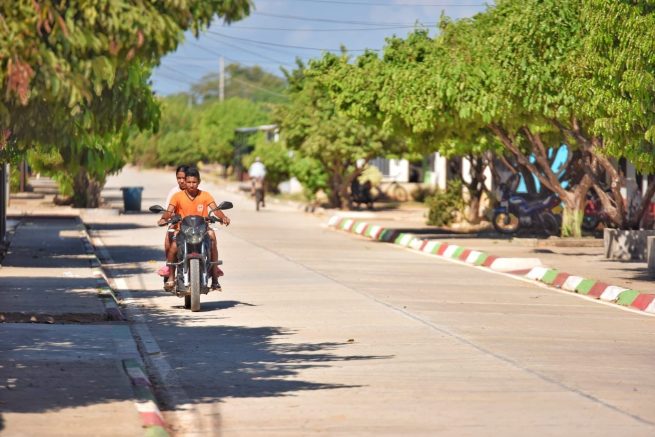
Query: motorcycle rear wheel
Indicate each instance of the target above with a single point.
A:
(194, 276)
(506, 223)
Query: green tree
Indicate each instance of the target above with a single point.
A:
(214, 127)
(74, 74)
(614, 78)
(371, 90)
(502, 73)
(173, 143)
(316, 128)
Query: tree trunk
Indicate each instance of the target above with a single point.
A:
(473, 209)
(86, 190)
(574, 206)
(573, 199)
(474, 189)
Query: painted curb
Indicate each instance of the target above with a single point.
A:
(529, 268)
(110, 300)
(151, 418)
(146, 404)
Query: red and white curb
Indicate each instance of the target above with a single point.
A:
(594, 289)
(146, 404)
(434, 247)
(529, 268)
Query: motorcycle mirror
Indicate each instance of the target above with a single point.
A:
(225, 205)
(156, 209)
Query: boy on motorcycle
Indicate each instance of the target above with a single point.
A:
(180, 175)
(192, 201)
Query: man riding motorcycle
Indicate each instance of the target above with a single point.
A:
(192, 201)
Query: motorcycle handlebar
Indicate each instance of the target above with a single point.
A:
(173, 220)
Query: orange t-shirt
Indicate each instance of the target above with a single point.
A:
(184, 206)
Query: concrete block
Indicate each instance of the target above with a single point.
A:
(626, 245)
(650, 254)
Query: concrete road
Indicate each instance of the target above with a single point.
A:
(318, 332)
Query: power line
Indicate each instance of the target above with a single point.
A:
(360, 3)
(171, 78)
(285, 45)
(211, 61)
(178, 72)
(299, 29)
(326, 20)
(232, 59)
(252, 85)
(239, 47)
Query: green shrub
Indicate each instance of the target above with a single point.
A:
(443, 206)
(311, 174)
(421, 193)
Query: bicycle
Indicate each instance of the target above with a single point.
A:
(393, 190)
(258, 192)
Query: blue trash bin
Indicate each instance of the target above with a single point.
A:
(132, 198)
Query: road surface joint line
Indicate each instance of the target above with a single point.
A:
(592, 290)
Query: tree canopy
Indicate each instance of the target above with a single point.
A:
(75, 75)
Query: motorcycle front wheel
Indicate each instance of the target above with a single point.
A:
(551, 226)
(506, 223)
(194, 279)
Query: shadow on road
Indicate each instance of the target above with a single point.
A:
(215, 361)
(218, 361)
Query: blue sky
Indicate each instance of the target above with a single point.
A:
(279, 31)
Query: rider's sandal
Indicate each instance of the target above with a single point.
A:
(216, 286)
(169, 285)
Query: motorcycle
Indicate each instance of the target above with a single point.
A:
(361, 193)
(193, 271)
(515, 212)
(594, 214)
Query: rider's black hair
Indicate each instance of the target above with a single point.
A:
(192, 171)
(182, 168)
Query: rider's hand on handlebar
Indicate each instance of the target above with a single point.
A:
(162, 222)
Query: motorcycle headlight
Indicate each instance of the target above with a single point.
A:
(193, 237)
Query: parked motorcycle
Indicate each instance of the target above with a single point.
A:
(361, 193)
(594, 214)
(516, 212)
(193, 265)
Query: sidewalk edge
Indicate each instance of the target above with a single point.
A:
(151, 417)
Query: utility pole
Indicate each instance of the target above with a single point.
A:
(221, 79)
